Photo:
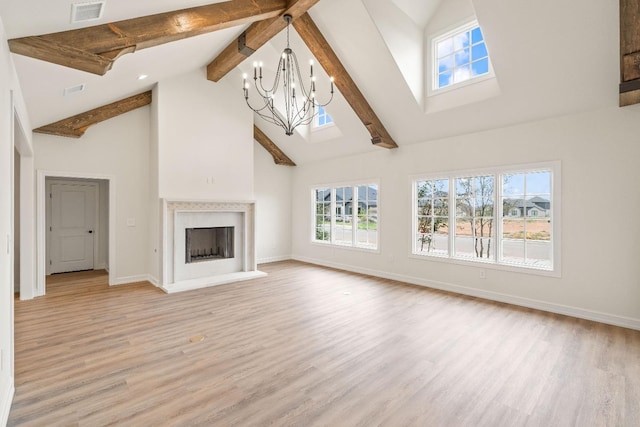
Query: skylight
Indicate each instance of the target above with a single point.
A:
(322, 119)
(460, 55)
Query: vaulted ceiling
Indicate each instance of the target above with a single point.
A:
(550, 58)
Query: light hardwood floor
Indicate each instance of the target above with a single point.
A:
(310, 346)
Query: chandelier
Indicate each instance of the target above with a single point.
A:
(298, 106)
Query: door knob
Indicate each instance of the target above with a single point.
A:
(90, 231)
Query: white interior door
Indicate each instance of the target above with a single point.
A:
(72, 229)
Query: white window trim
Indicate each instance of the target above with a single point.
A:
(555, 217)
(354, 213)
(434, 89)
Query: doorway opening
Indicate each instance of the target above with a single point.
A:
(76, 213)
(76, 227)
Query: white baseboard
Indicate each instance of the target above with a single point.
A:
(268, 260)
(6, 398)
(101, 266)
(611, 319)
(153, 280)
(134, 279)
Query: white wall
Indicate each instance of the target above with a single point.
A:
(155, 208)
(10, 100)
(205, 140)
(599, 152)
(273, 207)
(118, 147)
(202, 144)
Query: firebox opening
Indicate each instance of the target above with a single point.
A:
(206, 244)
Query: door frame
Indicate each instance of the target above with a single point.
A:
(41, 226)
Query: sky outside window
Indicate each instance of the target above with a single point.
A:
(460, 57)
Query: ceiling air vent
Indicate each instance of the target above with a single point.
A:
(72, 90)
(89, 11)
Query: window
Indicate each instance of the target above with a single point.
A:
(432, 216)
(460, 55)
(323, 214)
(323, 118)
(346, 215)
(474, 221)
(503, 217)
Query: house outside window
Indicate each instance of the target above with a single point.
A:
(505, 217)
(460, 55)
(346, 215)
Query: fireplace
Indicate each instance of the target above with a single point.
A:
(208, 244)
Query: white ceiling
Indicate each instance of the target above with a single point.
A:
(550, 57)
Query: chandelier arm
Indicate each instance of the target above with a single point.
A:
(298, 103)
(276, 81)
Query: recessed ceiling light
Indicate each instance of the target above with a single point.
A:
(72, 90)
(87, 11)
(142, 76)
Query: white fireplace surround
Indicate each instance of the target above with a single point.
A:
(181, 214)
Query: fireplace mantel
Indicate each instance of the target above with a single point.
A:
(180, 214)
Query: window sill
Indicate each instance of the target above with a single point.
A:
(347, 247)
(489, 264)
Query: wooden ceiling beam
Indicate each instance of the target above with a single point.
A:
(629, 52)
(94, 49)
(278, 155)
(253, 39)
(76, 126)
(320, 48)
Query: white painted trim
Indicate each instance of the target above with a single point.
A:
(6, 398)
(221, 279)
(153, 280)
(42, 175)
(581, 313)
(132, 279)
(268, 260)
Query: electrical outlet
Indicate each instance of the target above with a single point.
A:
(483, 274)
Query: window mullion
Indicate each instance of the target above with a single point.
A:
(333, 216)
(354, 216)
(499, 215)
(526, 216)
(452, 216)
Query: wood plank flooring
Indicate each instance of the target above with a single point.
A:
(311, 346)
